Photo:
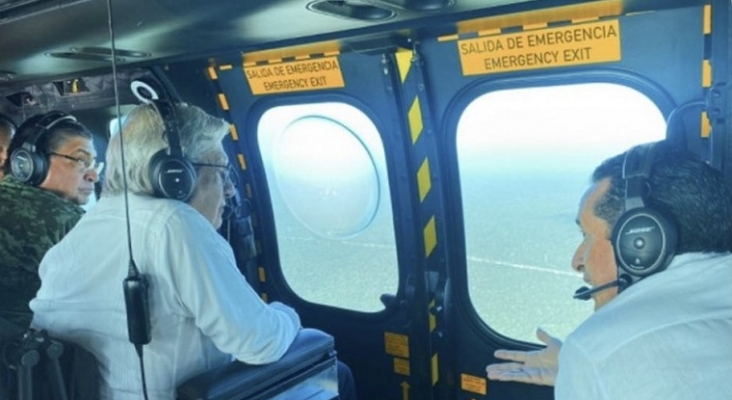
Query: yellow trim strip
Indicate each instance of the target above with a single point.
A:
(593, 9)
(706, 126)
(303, 57)
(212, 73)
(404, 63)
(242, 162)
(430, 237)
(415, 120)
(226, 67)
(224, 102)
(232, 131)
(583, 20)
(706, 74)
(328, 48)
(448, 38)
(262, 274)
(529, 27)
(435, 369)
(707, 19)
(423, 179)
(489, 32)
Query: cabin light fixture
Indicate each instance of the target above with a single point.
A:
(22, 99)
(108, 52)
(351, 9)
(99, 54)
(84, 56)
(71, 86)
(417, 5)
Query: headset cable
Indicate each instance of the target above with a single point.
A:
(135, 286)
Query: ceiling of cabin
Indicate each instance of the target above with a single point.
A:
(32, 31)
(40, 39)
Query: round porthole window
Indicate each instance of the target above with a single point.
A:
(326, 177)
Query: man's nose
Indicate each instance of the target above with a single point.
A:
(91, 175)
(578, 263)
(229, 189)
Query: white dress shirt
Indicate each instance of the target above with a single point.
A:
(667, 337)
(202, 309)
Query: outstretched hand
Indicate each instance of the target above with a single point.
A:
(538, 367)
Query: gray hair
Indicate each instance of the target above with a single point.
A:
(200, 136)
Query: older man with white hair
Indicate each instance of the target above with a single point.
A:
(202, 311)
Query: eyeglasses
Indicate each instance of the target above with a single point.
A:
(227, 173)
(83, 164)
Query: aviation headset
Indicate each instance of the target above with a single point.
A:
(171, 173)
(27, 163)
(643, 239)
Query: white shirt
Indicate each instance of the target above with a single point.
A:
(667, 337)
(202, 309)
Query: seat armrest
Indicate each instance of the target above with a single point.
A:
(310, 349)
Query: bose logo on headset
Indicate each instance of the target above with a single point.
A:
(27, 163)
(640, 230)
(644, 240)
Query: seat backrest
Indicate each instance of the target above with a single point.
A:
(35, 366)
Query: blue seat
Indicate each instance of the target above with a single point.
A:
(306, 371)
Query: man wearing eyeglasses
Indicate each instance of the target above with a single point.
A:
(50, 172)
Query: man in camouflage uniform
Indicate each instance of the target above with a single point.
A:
(36, 214)
(7, 130)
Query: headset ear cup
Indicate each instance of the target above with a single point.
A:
(28, 167)
(27, 163)
(644, 242)
(172, 177)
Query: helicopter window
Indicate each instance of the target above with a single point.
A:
(525, 157)
(326, 173)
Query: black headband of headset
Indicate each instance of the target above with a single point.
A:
(43, 125)
(636, 170)
(166, 110)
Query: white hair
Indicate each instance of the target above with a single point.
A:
(200, 136)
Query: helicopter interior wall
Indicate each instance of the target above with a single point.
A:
(369, 85)
(384, 79)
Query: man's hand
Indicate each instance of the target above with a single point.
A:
(538, 367)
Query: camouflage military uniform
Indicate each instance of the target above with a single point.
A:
(31, 221)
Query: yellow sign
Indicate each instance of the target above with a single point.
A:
(589, 43)
(396, 344)
(473, 384)
(401, 366)
(297, 76)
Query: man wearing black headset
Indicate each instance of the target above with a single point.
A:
(657, 228)
(49, 173)
(160, 208)
(7, 130)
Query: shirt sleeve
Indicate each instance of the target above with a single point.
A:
(209, 286)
